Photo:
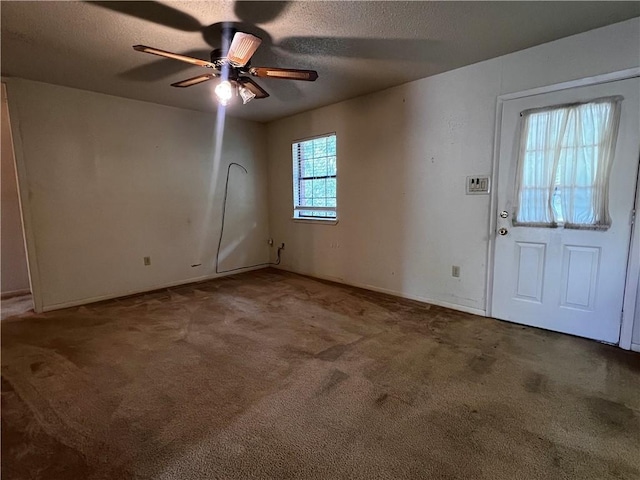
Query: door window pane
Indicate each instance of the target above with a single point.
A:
(564, 162)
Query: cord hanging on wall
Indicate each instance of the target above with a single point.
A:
(224, 210)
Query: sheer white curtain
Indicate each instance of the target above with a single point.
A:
(564, 162)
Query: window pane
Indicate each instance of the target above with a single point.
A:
(331, 145)
(320, 147)
(331, 165)
(331, 187)
(307, 149)
(585, 171)
(306, 201)
(319, 188)
(564, 165)
(582, 205)
(320, 167)
(306, 188)
(557, 205)
(307, 168)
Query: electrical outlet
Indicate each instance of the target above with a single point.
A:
(455, 271)
(147, 261)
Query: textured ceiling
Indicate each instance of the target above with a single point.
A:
(357, 47)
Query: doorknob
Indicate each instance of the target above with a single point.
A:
(503, 231)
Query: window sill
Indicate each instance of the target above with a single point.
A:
(331, 221)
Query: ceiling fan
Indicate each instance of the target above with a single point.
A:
(232, 64)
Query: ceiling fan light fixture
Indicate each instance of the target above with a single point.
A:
(224, 92)
(246, 94)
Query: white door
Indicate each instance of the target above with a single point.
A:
(563, 279)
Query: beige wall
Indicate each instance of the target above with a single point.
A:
(111, 180)
(13, 260)
(403, 156)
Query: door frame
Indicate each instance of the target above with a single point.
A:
(633, 261)
(13, 159)
(23, 194)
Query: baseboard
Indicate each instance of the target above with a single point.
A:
(14, 293)
(86, 301)
(439, 303)
(635, 347)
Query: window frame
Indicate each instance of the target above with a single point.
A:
(296, 185)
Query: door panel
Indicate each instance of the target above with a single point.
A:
(530, 267)
(566, 280)
(580, 267)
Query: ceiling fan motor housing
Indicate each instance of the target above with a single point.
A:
(217, 55)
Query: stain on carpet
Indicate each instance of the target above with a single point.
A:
(334, 352)
(614, 415)
(382, 398)
(335, 377)
(535, 383)
(482, 364)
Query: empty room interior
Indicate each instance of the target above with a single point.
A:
(320, 240)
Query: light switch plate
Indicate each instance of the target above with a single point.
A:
(478, 185)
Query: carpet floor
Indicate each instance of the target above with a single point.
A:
(274, 375)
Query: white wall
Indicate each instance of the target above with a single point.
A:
(15, 276)
(110, 180)
(403, 155)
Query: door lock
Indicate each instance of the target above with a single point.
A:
(503, 231)
(504, 214)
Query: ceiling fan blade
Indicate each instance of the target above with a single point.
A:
(174, 56)
(161, 67)
(286, 73)
(254, 87)
(195, 80)
(242, 48)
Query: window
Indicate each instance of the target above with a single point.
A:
(564, 163)
(314, 178)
